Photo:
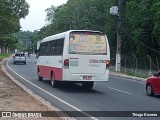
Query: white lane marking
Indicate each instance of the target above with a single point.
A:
(120, 90)
(51, 94)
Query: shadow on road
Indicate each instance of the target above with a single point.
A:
(72, 87)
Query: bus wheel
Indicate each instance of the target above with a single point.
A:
(40, 78)
(87, 85)
(54, 83)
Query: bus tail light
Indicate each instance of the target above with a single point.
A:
(107, 63)
(66, 63)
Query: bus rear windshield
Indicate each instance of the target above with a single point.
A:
(89, 43)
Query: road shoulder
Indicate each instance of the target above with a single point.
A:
(14, 96)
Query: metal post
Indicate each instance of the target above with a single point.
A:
(157, 63)
(136, 63)
(150, 71)
(118, 53)
(125, 64)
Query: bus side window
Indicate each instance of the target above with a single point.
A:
(56, 47)
(41, 49)
(59, 47)
(52, 51)
(48, 48)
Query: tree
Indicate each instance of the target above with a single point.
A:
(141, 22)
(11, 11)
(18, 7)
(50, 13)
(156, 11)
(140, 29)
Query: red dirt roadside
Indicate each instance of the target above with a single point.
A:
(14, 98)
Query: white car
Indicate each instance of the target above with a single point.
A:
(19, 58)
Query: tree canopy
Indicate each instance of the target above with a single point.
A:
(140, 29)
(11, 11)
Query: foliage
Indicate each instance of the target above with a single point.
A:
(11, 11)
(135, 74)
(18, 7)
(140, 24)
(2, 56)
(141, 17)
(50, 13)
(156, 11)
(25, 40)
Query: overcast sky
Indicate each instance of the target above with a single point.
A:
(37, 15)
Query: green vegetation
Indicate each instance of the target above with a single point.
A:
(25, 41)
(140, 29)
(11, 11)
(135, 74)
(2, 56)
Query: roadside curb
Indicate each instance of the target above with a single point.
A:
(37, 97)
(117, 74)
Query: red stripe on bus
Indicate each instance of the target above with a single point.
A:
(45, 72)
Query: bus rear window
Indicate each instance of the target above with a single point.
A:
(89, 43)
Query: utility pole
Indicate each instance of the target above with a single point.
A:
(118, 51)
(118, 10)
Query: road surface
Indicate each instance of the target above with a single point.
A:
(118, 95)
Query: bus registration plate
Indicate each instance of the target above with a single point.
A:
(87, 77)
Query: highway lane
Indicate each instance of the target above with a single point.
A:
(119, 94)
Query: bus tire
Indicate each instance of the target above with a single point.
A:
(87, 85)
(40, 78)
(54, 83)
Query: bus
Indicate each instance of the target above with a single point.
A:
(80, 56)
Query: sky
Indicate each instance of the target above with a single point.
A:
(37, 15)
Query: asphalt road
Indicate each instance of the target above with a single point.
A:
(118, 95)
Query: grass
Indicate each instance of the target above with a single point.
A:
(136, 75)
(2, 56)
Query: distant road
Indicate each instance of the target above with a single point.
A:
(119, 94)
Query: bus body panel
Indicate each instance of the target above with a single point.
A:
(49, 65)
(84, 64)
(46, 72)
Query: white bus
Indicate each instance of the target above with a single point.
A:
(81, 56)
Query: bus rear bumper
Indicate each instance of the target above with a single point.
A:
(86, 77)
